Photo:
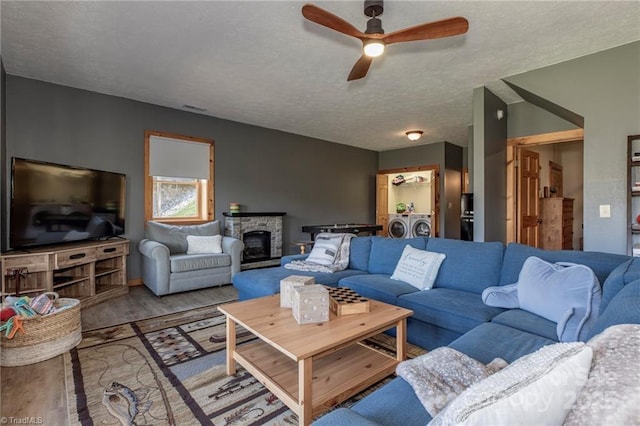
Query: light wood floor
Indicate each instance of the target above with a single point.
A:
(38, 390)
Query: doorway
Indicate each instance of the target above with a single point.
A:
(558, 181)
(419, 185)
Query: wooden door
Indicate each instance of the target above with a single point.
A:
(528, 197)
(382, 202)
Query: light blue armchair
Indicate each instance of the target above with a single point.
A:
(167, 268)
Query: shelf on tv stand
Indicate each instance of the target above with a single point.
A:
(91, 271)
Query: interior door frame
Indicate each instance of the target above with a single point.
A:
(382, 202)
(513, 146)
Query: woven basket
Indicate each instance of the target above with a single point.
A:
(45, 336)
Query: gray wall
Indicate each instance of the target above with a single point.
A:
(449, 158)
(525, 119)
(489, 165)
(604, 88)
(314, 181)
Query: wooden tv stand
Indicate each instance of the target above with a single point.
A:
(91, 271)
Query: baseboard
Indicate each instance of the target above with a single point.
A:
(134, 282)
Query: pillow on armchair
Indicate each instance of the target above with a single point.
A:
(175, 236)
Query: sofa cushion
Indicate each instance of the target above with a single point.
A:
(624, 308)
(359, 253)
(418, 267)
(377, 286)
(264, 282)
(538, 388)
(610, 396)
(454, 310)
(204, 244)
(175, 236)
(469, 266)
(192, 262)
(382, 406)
(515, 254)
(526, 321)
(343, 416)
(567, 295)
(385, 252)
(491, 340)
(622, 275)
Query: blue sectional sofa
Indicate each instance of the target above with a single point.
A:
(452, 313)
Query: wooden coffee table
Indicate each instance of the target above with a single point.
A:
(312, 367)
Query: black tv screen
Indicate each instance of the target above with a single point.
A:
(55, 203)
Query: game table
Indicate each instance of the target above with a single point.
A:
(354, 228)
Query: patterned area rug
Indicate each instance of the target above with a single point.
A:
(170, 370)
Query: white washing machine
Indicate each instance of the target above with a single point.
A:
(420, 225)
(399, 226)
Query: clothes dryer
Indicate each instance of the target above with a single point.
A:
(420, 225)
(399, 226)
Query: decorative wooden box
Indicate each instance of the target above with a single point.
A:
(286, 288)
(344, 301)
(310, 304)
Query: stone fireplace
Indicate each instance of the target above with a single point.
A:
(261, 234)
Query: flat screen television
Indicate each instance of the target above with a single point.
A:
(55, 203)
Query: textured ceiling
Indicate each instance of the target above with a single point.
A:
(260, 62)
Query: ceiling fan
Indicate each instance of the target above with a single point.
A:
(374, 39)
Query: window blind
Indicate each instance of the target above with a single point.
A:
(178, 158)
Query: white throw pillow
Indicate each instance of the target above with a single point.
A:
(204, 245)
(418, 267)
(537, 389)
(325, 248)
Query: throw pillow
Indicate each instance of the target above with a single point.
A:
(418, 267)
(568, 294)
(439, 376)
(202, 245)
(539, 388)
(325, 248)
(501, 296)
(610, 395)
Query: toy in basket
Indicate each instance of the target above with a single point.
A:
(344, 301)
(40, 337)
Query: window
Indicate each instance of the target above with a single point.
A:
(178, 178)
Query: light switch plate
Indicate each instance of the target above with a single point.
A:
(605, 210)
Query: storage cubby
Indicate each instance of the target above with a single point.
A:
(90, 271)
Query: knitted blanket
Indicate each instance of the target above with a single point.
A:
(340, 261)
(437, 377)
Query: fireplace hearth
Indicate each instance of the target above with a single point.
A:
(261, 234)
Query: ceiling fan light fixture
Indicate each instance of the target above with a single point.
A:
(414, 135)
(373, 48)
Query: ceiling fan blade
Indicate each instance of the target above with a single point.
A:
(361, 68)
(437, 29)
(320, 16)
